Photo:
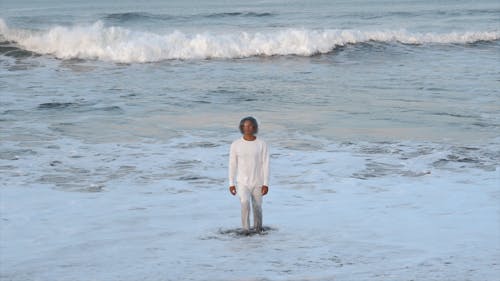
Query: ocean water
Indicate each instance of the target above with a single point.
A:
(383, 120)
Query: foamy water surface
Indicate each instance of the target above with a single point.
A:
(383, 122)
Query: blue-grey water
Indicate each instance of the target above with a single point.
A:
(103, 95)
(412, 69)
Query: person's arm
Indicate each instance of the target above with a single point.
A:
(265, 168)
(233, 163)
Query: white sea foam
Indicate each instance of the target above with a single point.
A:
(143, 202)
(119, 44)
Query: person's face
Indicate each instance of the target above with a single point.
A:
(248, 128)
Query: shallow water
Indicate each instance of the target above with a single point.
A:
(382, 118)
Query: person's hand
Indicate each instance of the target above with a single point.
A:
(265, 189)
(232, 189)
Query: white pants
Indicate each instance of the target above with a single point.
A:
(247, 193)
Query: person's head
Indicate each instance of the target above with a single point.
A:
(249, 126)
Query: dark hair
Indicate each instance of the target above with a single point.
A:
(254, 123)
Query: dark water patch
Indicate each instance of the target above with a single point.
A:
(65, 180)
(239, 14)
(191, 178)
(378, 169)
(7, 167)
(459, 12)
(173, 190)
(202, 144)
(201, 101)
(435, 89)
(452, 115)
(186, 164)
(139, 17)
(20, 66)
(77, 65)
(57, 105)
(221, 90)
(461, 159)
(468, 157)
(11, 49)
(379, 149)
(43, 20)
(112, 109)
(200, 181)
(464, 12)
(16, 154)
(366, 49)
(485, 125)
(144, 16)
(482, 43)
(56, 179)
(369, 15)
(61, 127)
(224, 95)
(244, 99)
(415, 174)
(130, 16)
(421, 150)
(92, 188)
(73, 60)
(375, 15)
(14, 111)
(455, 158)
(109, 109)
(74, 187)
(222, 233)
(466, 148)
(440, 163)
(55, 163)
(240, 232)
(79, 107)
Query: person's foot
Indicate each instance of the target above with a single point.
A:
(245, 232)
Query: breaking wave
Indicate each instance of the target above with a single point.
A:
(119, 44)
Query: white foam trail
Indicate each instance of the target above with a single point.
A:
(123, 45)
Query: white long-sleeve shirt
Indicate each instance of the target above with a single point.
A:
(249, 162)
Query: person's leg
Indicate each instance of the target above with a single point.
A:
(257, 208)
(244, 194)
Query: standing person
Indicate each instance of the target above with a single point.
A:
(249, 166)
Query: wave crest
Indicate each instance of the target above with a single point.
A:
(119, 44)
